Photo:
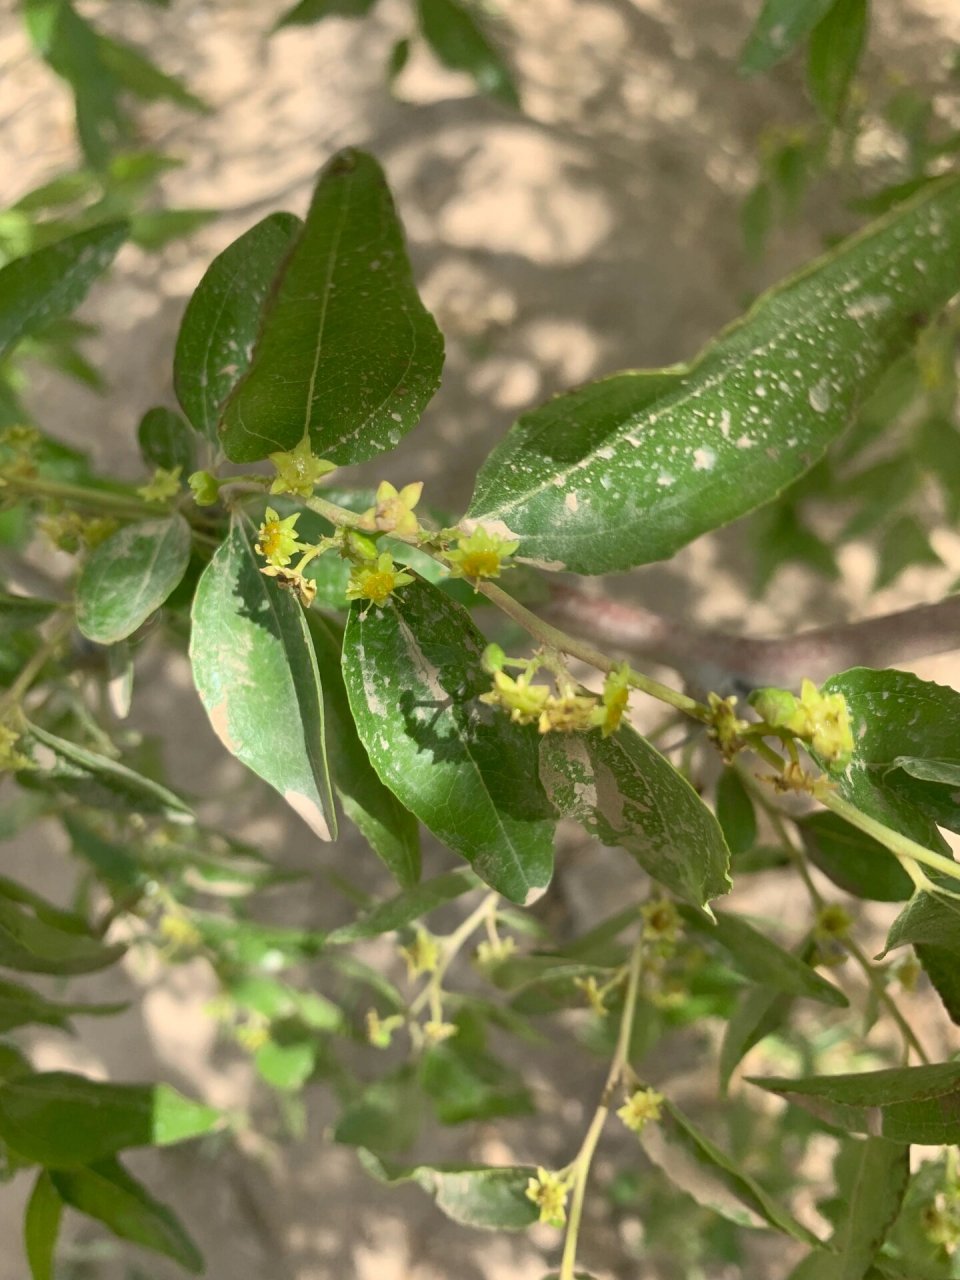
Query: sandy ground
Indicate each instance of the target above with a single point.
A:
(597, 231)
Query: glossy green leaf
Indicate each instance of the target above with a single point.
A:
(310, 11)
(902, 1104)
(166, 441)
(836, 44)
(61, 1120)
(927, 918)
(626, 794)
(896, 714)
(414, 675)
(628, 470)
(129, 576)
(940, 966)
(855, 862)
(106, 1191)
(454, 35)
(390, 829)
(41, 1226)
(22, 1006)
(699, 1167)
(761, 959)
(255, 670)
(49, 283)
(346, 351)
(98, 779)
(222, 318)
(946, 772)
(31, 944)
(781, 26)
(735, 812)
(406, 907)
(473, 1195)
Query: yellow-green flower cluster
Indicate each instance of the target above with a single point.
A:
(594, 994)
(10, 758)
(380, 1030)
(725, 727)
(299, 470)
(393, 512)
(163, 485)
(376, 580)
(422, 954)
(640, 1109)
(941, 1223)
(661, 922)
(613, 700)
(821, 719)
(480, 554)
(70, 531)
(549, 1192)
(494, 951)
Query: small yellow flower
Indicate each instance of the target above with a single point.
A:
(299, 470)
(833, 921)
(254, 1033)
(661, 921)
(613, 700)
(480, 554)
(725, 727)
(493, 952)
(277, 539)
(393, 512)
(525, 701)
(377, 581)
(179, 932)
(380, 1030)
(640, 1109)
(204, 487)
(305, 589)
(568, 712)
(549, 1192)
(941, 1223)
(97, 529)
(163, 485)
(422, 955)
(434, 1032)
(10, 758)
(594, 995)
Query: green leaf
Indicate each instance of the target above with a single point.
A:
(778, 536)
(390, 829)
(406, 907)
(129, 576)
(714, 1179)
(902, 1104)
(761, 1011)
(855, 862)
(763, 960)
(451, 31)
(465, 1083)
(895, 714)
(385, 1117)
(111, 862)
(106, 1191)
(278, 1001)
(779, 29)
(155, 228)
(309, 11)
(98, 779)
(165, 441)
(47, 284)
(628, 470)
(41, 1226)
(836, 44)
(256, 673)
(413, 673)
(139, 76)
(286, 1066)
(31, 944)
(940, 966)
(346, 352)
(473, 1195)
(927, 918)
(61, 1120)
(944, 771)
(735, 812)
(625, 793)
(22, 1006)
(872, 1178)
(221, 321)
(903, 544)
